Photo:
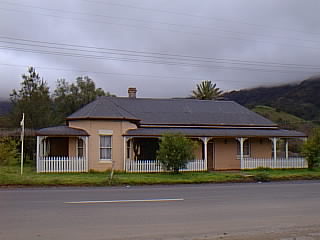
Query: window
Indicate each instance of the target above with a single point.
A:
(105, 147)
(246, 148)
(80, 148)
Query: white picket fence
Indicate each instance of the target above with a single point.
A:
(155, 166)
(292, 162)
(62, 164)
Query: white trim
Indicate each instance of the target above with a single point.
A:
(87, 152)
(105, 132)
(38, 152)
(287, 148)
(105, 160)
(124, 152)
(274, 141)
(241, 140)
(205, 142)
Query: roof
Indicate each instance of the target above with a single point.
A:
(61, 131)
(216, 132)
(171, 112)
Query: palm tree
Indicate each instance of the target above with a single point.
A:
(206, 90)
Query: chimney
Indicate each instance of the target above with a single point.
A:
(132, 92)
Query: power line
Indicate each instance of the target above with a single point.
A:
(122, 74)
(146, 61)
(125, 52)
(197, 16)
(152, 21)
(197, 34)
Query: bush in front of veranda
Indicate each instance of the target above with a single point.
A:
(311, 149)
(175, 151)
(9, 154)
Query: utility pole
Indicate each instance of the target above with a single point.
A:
(22, 141)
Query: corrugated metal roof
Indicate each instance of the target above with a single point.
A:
(171, 112)
(61, 131)
(215, 132)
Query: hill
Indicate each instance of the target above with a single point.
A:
(301, 100)
(5, 107)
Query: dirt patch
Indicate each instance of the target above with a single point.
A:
(293, 233)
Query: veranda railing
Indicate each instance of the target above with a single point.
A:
(291, 162)
(155, 166)
(62, 164)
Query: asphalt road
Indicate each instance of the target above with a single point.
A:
(196, 211)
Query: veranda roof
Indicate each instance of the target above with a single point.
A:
(216, 132)
(61, 131)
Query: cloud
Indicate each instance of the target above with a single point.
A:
(237, 44)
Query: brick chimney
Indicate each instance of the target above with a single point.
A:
(132, 92)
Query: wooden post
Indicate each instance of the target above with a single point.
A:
(38, 153)
(287, 148)
(241, 141)
(22, 142)
(87, 153)
(205, 141)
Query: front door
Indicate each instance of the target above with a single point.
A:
(210, 156)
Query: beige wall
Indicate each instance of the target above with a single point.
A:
(225, 150)
(72, 146)
(225, 154)
(198, 149)
(118, 129)
(261, 148)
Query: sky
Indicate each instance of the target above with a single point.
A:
(163, 48)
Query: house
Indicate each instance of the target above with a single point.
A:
(123, 133)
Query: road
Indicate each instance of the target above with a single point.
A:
(204, 211)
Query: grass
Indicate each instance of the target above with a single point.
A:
(10, 176)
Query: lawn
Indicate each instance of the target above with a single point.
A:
(10, 176)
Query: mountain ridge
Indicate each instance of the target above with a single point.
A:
(300, 99)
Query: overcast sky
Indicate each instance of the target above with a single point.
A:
(163, 48)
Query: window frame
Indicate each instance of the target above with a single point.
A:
(80, 147)
(248, 148)
(105, 147)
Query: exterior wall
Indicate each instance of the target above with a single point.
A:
(261, 148)
(225, 154)
(198, 149)
(118, 128)
(72, 147)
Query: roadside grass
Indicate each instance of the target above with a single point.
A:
(286, 174)
(10, 176)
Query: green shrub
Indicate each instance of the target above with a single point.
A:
(262, 177)
(311, 149)
(175, 151)
(9, 154)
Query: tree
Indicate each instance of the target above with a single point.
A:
(68, 98)
(34, 100)
(311, 149)
(175, 151)
(206, 90)
(9, 154)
